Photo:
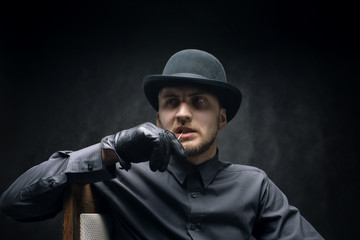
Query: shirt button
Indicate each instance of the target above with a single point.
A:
(51, 183)
(194, 226)
(193, 195)
(90, 166)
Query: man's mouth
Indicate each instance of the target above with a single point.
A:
(184, 132)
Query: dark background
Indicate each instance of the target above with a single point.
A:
(71, 74)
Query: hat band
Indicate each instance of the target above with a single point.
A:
(185, 75)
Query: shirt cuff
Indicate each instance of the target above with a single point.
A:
(85, 166)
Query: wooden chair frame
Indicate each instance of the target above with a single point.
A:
(78, 199)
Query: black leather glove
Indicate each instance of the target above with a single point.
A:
(145, 142)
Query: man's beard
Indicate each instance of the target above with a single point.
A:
(194, 151)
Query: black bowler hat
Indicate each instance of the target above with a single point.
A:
(195, 68)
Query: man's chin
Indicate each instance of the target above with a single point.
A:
(193, 150)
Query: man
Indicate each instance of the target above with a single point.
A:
(166, 181)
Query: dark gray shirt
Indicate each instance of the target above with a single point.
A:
(215, 200)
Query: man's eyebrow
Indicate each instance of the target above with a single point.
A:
(168, 95)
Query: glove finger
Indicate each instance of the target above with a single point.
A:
(124, 164)
(177, 148)
(155, 153)
(158, 163)
(155, 160)
(161, 153)
(165, 153)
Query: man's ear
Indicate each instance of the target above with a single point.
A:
(223, 119)
(158, 122)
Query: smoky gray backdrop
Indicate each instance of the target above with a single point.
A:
(71, 74)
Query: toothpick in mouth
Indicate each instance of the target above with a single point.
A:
(180, 135)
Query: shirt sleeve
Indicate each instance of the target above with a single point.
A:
(38, 193)
(279, 220)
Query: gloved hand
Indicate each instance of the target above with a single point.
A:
(145, 142)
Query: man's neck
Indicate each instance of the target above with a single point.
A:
(197, 160)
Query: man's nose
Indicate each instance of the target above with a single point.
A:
(184, 113)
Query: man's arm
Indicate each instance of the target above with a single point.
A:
(279, 220)
(38, 193)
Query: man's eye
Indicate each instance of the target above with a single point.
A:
(199, 100)
(172, 101)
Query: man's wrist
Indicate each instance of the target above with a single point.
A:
(109, 157)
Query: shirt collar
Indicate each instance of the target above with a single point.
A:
(208, 169)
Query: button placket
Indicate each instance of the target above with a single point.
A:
(197, 212)
(194, 187)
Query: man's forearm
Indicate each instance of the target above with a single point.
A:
(38, 191)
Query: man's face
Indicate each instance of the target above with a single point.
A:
(196, 114)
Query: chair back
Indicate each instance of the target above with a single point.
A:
(85, 217)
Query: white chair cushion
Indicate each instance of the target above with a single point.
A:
(94, 226)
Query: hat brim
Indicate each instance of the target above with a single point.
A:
(229, 96)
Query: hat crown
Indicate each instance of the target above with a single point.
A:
(195, 63)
